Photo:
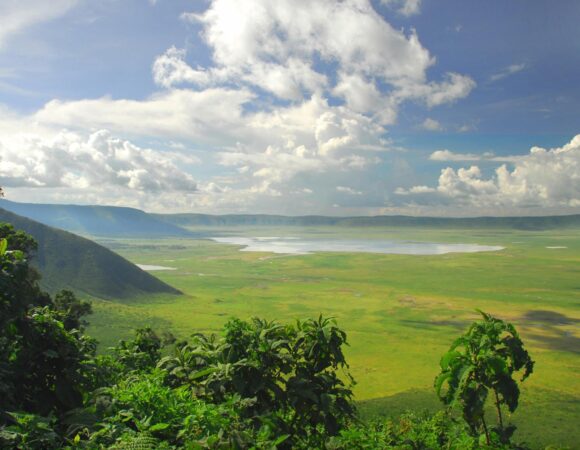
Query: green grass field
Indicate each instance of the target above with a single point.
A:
(400, 312)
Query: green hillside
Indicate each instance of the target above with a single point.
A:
(72, 262)
(96, 220)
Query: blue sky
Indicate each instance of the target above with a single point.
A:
(295, 107)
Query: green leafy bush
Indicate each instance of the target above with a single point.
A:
(144, 404)
(410, 431)
(484, 359)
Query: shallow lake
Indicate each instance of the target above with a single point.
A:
(302, 246)
(150, 267)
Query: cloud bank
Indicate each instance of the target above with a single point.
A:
(97, 162)
(543, 178)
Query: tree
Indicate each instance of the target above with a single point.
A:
(72, 310)
(484, 359)
(141, 353)
(18, 240)
(42, 362)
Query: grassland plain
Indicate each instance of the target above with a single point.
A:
(401, 312)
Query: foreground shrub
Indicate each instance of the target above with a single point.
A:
(484, 359)
(410, 431)
(142, 405)
(286, 375)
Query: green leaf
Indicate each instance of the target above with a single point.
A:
(441, 378)
(202, 373)
(159, 427)
(281, 439)
(447, 358)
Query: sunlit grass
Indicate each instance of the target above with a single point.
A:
(400, 312)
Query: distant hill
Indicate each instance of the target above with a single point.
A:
(520, 223)
(106, 221)
(67, 261)
(113, 221)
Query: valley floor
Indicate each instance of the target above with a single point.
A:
(401, 312)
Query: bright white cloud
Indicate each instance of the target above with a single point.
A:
(171, 69)
(203, 116)
(454, 87)
(447, 155)
(18, 15)
(308, 138)
(543, 178)
(286, 48)
(98, 161)
(267, 149)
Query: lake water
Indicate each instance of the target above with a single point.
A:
(150, 267)
(303, 246)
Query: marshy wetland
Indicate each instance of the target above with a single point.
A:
(401, 311)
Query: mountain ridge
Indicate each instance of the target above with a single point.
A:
(116, 221)
(521, 223)
(68, 261)
(105, 221)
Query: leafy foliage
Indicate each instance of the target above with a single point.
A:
(286, 375)
(42, 362)
(410, 431)
(143, 404)
(482, 360)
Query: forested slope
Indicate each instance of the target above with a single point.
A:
(72, 262)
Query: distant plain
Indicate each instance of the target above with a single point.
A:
(401, 312)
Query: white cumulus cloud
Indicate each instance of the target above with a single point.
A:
(542, 178)
(288, 47)
(97, 162)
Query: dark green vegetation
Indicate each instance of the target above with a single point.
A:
(484, 359)
(261, 385)
(67, 261)
(96, 220)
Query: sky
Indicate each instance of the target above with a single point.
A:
(344, 107)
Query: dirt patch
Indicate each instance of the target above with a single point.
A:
(408, 300)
